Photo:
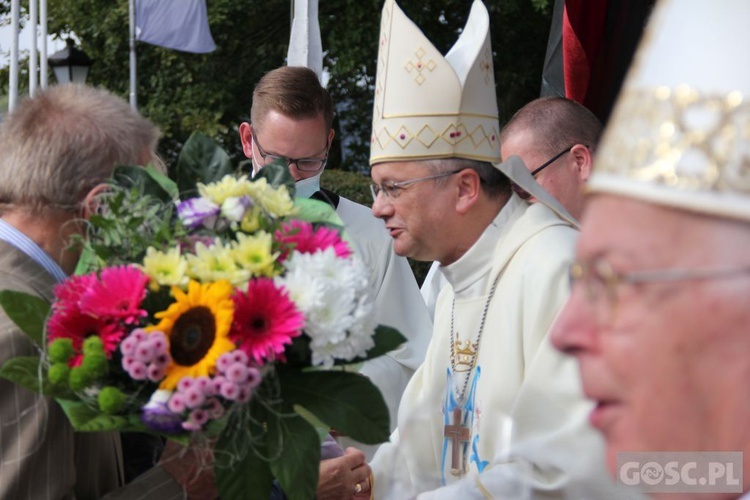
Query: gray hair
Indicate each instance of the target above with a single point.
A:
(61, 143)
(494, 183)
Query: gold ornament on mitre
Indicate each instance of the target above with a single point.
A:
(432, 106)
(680, 132)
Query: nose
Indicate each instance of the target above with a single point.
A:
(381, 206)
(574, 331)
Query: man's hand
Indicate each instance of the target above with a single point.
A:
(344, 477)
(192, 468)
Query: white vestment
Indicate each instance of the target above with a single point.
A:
(399, 305)
(519, 378)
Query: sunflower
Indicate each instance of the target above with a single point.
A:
(197, 325)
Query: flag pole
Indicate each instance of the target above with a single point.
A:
(13, 79)
(33, 56)
(43, 53)
(133, 100)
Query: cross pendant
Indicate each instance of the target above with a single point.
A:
(458, 434)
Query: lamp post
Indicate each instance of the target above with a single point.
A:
(71, 64)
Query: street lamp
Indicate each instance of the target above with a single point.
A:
(71, 64)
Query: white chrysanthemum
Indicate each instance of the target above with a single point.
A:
(306, 292)
(332, 292)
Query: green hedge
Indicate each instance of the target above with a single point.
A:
(356, 187)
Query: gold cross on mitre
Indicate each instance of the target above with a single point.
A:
(465, 355)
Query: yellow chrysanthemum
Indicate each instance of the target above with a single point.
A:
(165, 268)
(227, 187)
(251, 220)
(254, 253)
(197, 326)
(278, 201)
(214, 263)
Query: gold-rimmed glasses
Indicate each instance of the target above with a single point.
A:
(392, 189)
(601, 282)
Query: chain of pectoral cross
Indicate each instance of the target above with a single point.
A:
(457, 432)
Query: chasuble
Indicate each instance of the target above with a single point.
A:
(454, 415)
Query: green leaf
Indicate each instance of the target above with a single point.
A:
(277, 174)
(85, 418)
(146, 180)
(386, 339)
(242, 464)
(297, 445)
(348, 402)
(311, 210)
(28, 312)
(201, 160)
(24, 371)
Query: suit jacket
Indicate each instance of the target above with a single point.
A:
(41, 457)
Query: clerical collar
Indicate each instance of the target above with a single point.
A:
(469, 275)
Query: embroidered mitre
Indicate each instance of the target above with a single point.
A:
(680, 132)
(432, 106)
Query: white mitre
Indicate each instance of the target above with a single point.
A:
(680, 132)
(430, 106)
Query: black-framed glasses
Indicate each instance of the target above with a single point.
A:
(392, 189)
(601, 282)
(302, 164)
(522, 193)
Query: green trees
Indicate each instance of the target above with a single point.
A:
(211, 93)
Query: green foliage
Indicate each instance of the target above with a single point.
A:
(28, 312)
(127, 224)
(200, 160)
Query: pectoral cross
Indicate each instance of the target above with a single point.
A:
(458, 434)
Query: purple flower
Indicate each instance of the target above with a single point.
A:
(197, 211)
(237, 373)
(157, 416)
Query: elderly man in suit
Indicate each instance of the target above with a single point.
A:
(58, 148)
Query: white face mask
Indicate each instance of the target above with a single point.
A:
(308, 187)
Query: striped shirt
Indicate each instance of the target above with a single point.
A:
(13, 236)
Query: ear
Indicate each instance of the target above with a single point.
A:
(246, 137)
(469, 190)
(91, 202)
(584, 159)
(331, 134)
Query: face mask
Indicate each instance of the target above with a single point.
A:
(308, 187)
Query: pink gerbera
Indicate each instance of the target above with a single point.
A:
(265, 319)
(69, 292)
(73, 324)
(117, 295)
(302, 237)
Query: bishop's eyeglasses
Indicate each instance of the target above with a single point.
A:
(601, 282)
(302, 164)
(392, 189)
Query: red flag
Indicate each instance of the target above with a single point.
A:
(590, 47)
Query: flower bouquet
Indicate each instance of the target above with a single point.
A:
(233, 317)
